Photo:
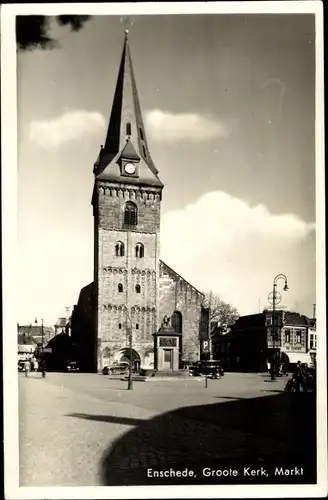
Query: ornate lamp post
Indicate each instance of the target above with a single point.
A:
(274, 299)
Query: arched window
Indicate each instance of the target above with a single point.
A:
(139, 250)
(176, 321)
(130, 214)
(119, 249)
(120, 287)
(138, 288)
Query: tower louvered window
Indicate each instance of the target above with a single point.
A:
(130, 214)
(120, 287)
(138, 288)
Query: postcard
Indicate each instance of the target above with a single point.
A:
(164, 250)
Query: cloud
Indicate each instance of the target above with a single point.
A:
(223, 244)
(166, 127)
(71, 125)
(66, 272)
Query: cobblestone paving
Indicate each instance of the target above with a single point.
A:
(56, 449)
(87, 430)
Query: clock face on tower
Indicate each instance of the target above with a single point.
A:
(129, 168)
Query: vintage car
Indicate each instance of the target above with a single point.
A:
(72, 366)
(119, 369)
(212, 369)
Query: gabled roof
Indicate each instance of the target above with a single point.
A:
(61, 322)
(173, 273)
(126, 132)
(296, 319)
(249, 321)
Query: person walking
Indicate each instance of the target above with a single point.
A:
(43, 368)
(26, 367)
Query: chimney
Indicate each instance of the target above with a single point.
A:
(314, 312)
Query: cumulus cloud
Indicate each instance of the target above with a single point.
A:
(67, 271)
(71, 125)
(223, 244)
(164, 126)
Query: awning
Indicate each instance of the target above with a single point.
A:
(294, 357)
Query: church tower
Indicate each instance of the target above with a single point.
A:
(126, 207)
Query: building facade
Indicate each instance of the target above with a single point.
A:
(34, 334)
(132, 289)
(250, 343)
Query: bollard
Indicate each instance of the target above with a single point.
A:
(206, 381)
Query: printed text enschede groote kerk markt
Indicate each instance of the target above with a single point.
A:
(208, 472)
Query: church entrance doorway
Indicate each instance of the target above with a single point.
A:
(125, 356)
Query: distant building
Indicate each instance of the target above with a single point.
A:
(32, 334)
(62, 325)
(249, 344)
(312, 342)
(25, 352)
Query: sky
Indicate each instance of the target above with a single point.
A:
(228, 103)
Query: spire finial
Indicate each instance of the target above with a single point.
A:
(126, 32)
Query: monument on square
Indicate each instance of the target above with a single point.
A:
(166, 347)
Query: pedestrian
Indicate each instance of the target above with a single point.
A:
(26, 367)
(43, 368)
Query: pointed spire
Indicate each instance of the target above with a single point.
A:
(126, 131)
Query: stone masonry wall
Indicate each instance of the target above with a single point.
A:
(176, 294)
(128, 270)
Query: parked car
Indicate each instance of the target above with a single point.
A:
(72, 366)
(119, 369)
(212, 369)
(21, 366)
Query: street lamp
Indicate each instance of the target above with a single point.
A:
(275, 299)
(42, 347)
(129, 332)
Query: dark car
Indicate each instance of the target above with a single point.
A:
(212, 369)
(119, 369)
(72, 366)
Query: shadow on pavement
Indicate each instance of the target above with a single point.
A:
(273, 390)
(109, 418)
(275, 432)
(230, 397)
